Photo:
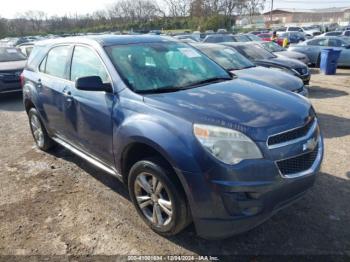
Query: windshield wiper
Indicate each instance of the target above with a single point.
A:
(170, 89)
(207, 81)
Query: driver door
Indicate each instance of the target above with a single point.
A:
(89, 113)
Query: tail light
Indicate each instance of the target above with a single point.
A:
(21, 78)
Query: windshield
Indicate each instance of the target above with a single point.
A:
(273, 47)
(11, 54)
(255, 52)
(253, 37)
(163, 66)
(227, 57)
(241, 38)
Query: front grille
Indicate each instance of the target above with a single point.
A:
(302, 71)
(297, 164)
(10, 76)
(290, 135)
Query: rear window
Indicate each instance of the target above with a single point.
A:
(214, 39)
(318, 42)
(295, 29)
(11, 54)
(265, 35)
(56, 61)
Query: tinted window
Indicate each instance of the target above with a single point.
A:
(11, 54)
(334, 33)
(56, 61)
(148, 67)
(255, 52)
(319, 42)
(334, 42)
(295, 29)
(214, 39)
(43, 65)
(254, 37)
(265, 35)
(272, 47)
(85, 62)
(242, 38)
(228, 38)
(227, 57)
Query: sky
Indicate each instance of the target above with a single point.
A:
(10, 8)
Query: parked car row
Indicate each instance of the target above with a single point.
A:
(313, 48)
(12, 63)
(199, 134)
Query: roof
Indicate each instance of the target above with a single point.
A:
(321, 10)
(107, 40)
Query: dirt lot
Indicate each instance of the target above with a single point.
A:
(57, 204)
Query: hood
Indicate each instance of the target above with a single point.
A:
(281, 61)
(270, 78)
(12, 65)
(253, 109)
(291, 54)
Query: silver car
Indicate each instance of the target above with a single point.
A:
(312, 48)
(282, 52)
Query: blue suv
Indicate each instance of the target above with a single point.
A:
(192, 142)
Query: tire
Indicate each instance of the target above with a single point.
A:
(154, 207)
(40, 135)
(318, 62)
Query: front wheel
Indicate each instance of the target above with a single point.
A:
(41, 138)
(158, 197)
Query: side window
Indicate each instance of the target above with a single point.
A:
(334, 42)
(319, 42)
(43, 65)
(56, 61)
(85, 62)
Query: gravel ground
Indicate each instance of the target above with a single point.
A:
(57, 204)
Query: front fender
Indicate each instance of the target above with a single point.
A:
(174, 141)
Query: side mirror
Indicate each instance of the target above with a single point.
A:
(92, 83)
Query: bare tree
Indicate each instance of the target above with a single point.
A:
(253, 7)
(178, 8)
(36, 18)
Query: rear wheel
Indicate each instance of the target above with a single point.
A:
(158, 197)
(41, 138)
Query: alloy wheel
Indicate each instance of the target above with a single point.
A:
(37, 130)
(153, 199)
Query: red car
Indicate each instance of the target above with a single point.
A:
(268, 37)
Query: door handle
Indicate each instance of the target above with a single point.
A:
(66, 92)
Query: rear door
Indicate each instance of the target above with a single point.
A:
(51, 86)
(342, 45)
(89, 113)
(314, 48)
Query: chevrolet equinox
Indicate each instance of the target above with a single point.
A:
(192, 142)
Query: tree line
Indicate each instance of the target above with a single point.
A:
(136, 15)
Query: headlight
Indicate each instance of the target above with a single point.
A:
(227, 145)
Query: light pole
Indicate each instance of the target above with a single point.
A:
(271, 12)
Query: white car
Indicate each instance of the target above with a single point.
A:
(307, 31)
